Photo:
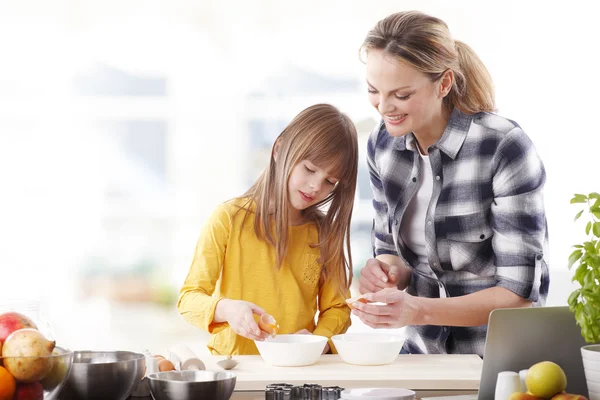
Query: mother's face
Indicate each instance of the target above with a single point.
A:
(407, 99)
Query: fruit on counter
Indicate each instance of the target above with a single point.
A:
(13, 321)
(268, 324)
(25, 353)
(57, 374)
(29, 391)
(165, 365)
(7, 384)
(523, 396)
(353, 300)
(545, 379)
(569, 396)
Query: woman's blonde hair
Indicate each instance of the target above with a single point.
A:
(425, 43)
(327, 138)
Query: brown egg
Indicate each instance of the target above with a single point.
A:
(165, 365)
(268, 324)
(354, 300)
(159, 357)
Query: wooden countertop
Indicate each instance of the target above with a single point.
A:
(411, 371)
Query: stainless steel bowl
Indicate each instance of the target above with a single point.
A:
(189, 385)
(103, 375)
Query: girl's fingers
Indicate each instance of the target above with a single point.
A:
(251, 325)
(249, 332)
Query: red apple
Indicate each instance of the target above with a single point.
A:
(29, 391)
(13, 321)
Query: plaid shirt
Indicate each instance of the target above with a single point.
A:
(486, 224)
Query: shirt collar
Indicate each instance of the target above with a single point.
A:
(451, 141)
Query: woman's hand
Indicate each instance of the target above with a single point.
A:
(377, 275)
(239, 315)
(307, 332)
(401, 309)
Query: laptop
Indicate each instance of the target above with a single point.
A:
(517, 338)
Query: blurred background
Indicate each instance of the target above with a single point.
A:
(124, 123)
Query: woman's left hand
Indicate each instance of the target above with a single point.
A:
(401, 309)
(307, 332)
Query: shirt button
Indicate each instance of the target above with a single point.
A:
(414, 179)
(428, 222)
(539, 257)
(435, 264)
(482, 236)
(437, 178)
(445, 329)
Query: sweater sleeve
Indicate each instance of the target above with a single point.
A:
(334, 313)
(196, 301)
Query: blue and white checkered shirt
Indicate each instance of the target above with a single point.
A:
(486, 224)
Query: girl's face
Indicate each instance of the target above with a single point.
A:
(308, 184)
(407, 99)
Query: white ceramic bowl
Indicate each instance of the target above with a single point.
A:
(378, 394)
(368, 348)
(291, 350)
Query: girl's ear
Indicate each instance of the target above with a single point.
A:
(276, 147)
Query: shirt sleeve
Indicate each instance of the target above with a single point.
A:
(196, 302)
(381, 236)
(334, 313)
(518, 216)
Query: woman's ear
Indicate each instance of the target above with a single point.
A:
(446, 82)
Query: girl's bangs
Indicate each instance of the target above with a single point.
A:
(338, 163)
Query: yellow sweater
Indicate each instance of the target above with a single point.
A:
(231, 262)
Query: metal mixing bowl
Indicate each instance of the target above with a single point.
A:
(189, 385)
(103, 375)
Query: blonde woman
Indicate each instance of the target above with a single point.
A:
(274, 249)
(460, 226)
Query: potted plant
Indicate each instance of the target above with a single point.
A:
(584, 302)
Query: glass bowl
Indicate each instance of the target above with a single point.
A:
(39, 377)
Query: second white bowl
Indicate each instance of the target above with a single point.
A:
(368, 348)
(291, 350)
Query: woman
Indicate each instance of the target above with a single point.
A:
(459, 215)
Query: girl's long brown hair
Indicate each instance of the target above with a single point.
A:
(425, 43)
(327, 138)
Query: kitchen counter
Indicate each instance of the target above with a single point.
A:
(428, 375)
(413, 371)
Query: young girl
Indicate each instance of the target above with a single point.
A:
(273, 250)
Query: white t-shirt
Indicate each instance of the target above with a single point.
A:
(412, 228)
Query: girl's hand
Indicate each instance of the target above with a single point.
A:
(239, 315)
(401, 309)
(377, 275)
(307, 332)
